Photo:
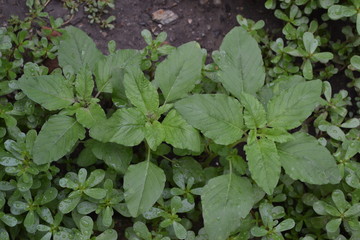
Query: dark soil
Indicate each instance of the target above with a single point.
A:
(206, 23)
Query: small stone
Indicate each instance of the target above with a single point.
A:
(217, 2)
(164, 16)
(190, 20)
(104, 33)
(203, 2)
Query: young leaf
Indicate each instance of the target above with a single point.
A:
(141, 93)
(78, 50)
(339, 11)
(56, 138)
(143, 185)
(84, 84)
(90, 116)
(51, 91)
(240, 63)
(254, 113)
(264, 164)
(154, 134)
(115, 156)
(125, 126)
(310, 43)
(306, 160)
(290, 108)
(179, 133)
(218, 116)
(109, 71)
(177, 75)
(225, 200)
(279, 135)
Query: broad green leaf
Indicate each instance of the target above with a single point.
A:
(141, 93)
(218, 116)
(154, 134)
(78, 50)
(306, 160)
(225, 200)
(179, 133)
(125, 126)
(279, 135)
(339, 11)
(51, 91)
(254, 113)
(291, 107)
(89, 116)
(264, 164)
(177, 75)
(114, 155)
(240, 63)
(109, 71)
(57, 137)
(143, 185)
(84, 84)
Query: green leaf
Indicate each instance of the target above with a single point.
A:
(254, 113)
(143, 185)
(240, 63)
(69, 204)
(57, 137)
(355, 60)
(323, 57)
(78, 50)
(308, 70)
(291, 107)
(180, 231)
(310, 43)
(89, 116)
(339, 11)
(154, 134)
(109, 71)
(277, 134)
(141, 93)
(306, 160)
(358, 23)
(177, 75)
(51, 91)
(264, 164)
(218, 116)
(285, 225)
(84, 83)
(353, 210)
(114, 155)
(338, 198)
(333, 225)
(225, 200)
(125, 126)
(96, 193)
(109, 234)
(179, 133)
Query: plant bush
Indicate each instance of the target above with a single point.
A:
(164, 143)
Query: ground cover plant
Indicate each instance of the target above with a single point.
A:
(167, 143)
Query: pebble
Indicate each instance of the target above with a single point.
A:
(164, 16)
